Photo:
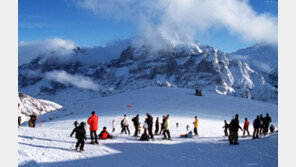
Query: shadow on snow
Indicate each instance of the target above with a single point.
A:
(261, 152)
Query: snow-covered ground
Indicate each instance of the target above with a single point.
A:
(51, 145)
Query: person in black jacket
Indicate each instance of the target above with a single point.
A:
(19, 121)
(233, 127)
(80, 135)
(162, 125)
(226, 127)
(266, 122)
(256, 125)
(136, 124)
(32, 120)
(150, 124)
(145, 136)
(156, 126)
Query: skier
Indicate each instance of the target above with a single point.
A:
(246, 127)
(156, 126)
(166, 131)
(125, 125)
(150, 124)
(19, 121)
(75, 123)
(113, 125)
(261, 124)
(93, 127)
(139, 128)
(198, 93)
(104, 134)
(145, 136)
(145, 126)
(226, 128)
(80, 135)
(177, 124)
(188, 135)
(122, 127)
(266, 123)
(233, 127)
(271, 128)
(256, 125)
(32, 120)
(187, 128)
(162, 125)
(195, 123)
(136, 124)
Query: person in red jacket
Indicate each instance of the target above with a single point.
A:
(104, 134)
(246, 127)
(93, 127)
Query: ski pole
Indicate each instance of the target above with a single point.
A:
(39, 122)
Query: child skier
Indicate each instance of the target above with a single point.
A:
(226, 127)
(80, 135)
(75, 123)
(188, 135)
(104, 134)
(113, 125)
(139, 128)
(246, 127)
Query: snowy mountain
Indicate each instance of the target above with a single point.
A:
(28, 105)
(262, 58)
(184, 65)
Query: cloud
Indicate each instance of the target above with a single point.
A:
(56, 46)
(102, 54)
(64, 49)
(76, 80)
(177, 21)
(263, 66)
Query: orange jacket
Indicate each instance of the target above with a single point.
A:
(104, 135)
(93, 122)
(246, 125)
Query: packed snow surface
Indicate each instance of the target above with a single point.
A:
(51, 144)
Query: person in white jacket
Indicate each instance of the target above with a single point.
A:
(145, 126)
(166, 131)
(125, 125)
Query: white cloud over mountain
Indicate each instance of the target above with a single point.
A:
(176, 20)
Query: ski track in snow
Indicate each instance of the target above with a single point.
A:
(51, 144)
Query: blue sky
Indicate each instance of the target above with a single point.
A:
(43, 19)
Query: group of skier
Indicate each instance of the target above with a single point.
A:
(147, 126)
(80, 132)
(260, 125)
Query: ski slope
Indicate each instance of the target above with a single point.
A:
(51, 145)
